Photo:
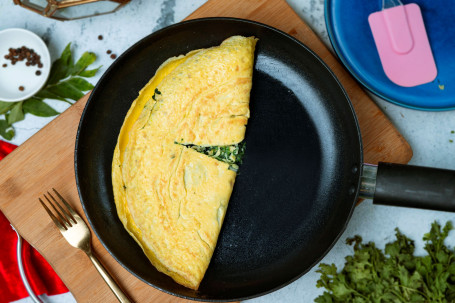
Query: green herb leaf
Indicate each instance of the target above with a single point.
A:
(16, 114)
(89, 73)
(37, 107)
(5, 106)
(84, 61)
(67, 56)
(61, 67)
(80, 84)
(157, 92)
(58, 72)
(6, 130)
(46, 94)
(66, 90)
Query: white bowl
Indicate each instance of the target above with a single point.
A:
(14, 76)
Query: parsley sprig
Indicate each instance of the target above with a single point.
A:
(395, 276)
(65, 83)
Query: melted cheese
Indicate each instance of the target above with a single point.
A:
(171, 199)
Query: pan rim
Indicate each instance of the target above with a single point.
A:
(106, 74)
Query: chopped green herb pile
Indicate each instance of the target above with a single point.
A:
(395, 276)
(65, 83)
(231, 154)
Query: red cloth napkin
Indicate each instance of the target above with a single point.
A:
(40, 274)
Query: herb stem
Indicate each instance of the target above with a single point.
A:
(414, 290)
(67, 101)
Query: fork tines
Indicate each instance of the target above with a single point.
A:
(66, 213)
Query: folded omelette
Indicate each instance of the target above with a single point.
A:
(173, 168)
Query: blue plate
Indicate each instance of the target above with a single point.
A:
(352, 40)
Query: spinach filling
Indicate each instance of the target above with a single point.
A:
(231, 154)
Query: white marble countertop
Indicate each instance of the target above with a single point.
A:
(427, 132)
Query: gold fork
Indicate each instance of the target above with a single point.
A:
(76, 232)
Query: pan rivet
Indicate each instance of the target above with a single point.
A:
(352, 190)
(354, 169)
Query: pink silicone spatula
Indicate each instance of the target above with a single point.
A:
(402, 42)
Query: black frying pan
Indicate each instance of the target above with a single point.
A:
(299, 181)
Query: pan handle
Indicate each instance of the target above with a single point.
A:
(409, 186)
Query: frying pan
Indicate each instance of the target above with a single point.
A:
(300, 178)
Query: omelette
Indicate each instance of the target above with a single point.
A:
(176, 157)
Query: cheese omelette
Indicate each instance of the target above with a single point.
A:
(170, 197)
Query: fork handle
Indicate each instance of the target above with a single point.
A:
(121, 296)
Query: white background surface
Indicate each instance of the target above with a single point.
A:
(427, 132)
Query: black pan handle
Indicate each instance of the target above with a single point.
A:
(415, 186)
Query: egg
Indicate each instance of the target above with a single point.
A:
(171, 198)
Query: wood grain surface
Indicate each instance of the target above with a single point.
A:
(46, 160)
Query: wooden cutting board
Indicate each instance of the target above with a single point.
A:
(47, 160)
